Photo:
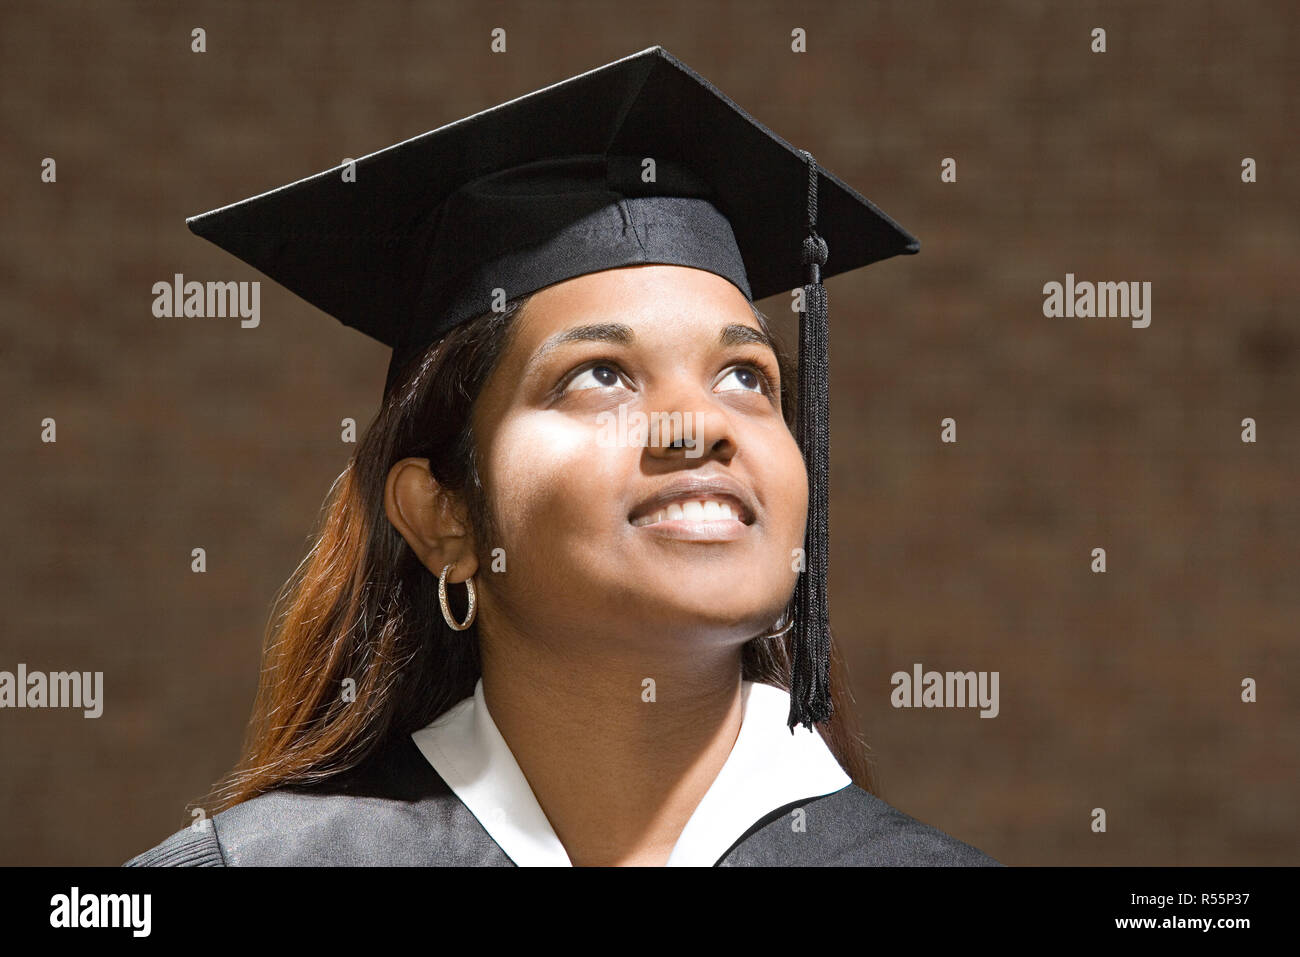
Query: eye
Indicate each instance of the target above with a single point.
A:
(602, 375)
(751, 379)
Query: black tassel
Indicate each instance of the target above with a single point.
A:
(810, 644)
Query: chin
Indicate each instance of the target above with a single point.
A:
(723, 620)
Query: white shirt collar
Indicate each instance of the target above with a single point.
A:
(768, 768)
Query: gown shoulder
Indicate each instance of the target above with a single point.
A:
(392, 809)
(849, 828)
(186, 848)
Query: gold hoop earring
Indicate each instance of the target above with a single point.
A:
(446, 609)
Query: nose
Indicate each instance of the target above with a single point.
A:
(689, 422)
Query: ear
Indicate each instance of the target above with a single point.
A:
(432, 520)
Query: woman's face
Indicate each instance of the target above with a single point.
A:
(602, 526)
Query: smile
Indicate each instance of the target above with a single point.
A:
(696, 520)
(691, 510)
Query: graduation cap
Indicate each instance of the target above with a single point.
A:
(639, 161)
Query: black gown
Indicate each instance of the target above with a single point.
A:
(395, 809)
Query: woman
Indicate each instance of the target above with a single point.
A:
(524, 636)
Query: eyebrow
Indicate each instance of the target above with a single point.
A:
(733, 334)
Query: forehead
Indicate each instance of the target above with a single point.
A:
(658, 302)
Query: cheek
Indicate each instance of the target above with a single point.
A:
(549, 481)
(788, 486)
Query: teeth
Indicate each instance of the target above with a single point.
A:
(692, 510)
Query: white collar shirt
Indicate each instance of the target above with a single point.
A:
(768, 768)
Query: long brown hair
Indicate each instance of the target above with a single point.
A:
(356, 648)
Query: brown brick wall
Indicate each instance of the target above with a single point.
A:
(1118, 690)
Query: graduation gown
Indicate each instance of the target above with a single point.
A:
(451, 794)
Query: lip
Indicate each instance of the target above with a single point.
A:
(693, 530)
(715, 488)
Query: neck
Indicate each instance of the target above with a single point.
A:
(617, 764)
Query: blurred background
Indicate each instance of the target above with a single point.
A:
(1119, 690)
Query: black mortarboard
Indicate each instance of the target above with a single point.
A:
(553, 185)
